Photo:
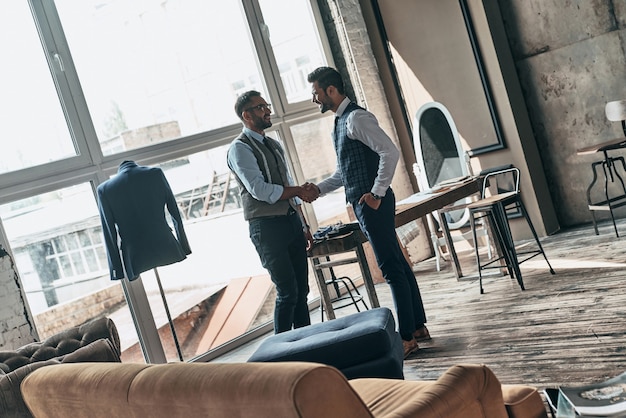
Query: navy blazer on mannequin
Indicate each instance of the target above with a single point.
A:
(132, 207)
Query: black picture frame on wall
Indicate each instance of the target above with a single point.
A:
(500, 143)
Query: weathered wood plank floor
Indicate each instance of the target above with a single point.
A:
(566, 328)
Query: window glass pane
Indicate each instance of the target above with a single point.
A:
(91, 260)
(156, 70)
(84, 238)
(295, 43)
(55, 278)
(313, 140)
(34, 130)
(72, 241)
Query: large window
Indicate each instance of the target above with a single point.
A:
(99, 82)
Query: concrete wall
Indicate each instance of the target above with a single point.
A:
(571, 60)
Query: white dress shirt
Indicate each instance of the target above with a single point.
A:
(363, 126)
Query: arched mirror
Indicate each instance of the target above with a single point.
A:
(438, 152)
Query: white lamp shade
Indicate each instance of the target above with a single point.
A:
(616, 111)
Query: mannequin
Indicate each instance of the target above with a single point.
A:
(132, 208)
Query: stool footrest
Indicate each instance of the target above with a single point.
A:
(341, 262)
(347, 301)
(615, 202)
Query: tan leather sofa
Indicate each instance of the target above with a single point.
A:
(267, 390)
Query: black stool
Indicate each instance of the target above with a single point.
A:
(498, 208)
(490, 209)
(342, 300)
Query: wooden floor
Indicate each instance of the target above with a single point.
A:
(567, 328)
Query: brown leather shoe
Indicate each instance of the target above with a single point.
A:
(409, 347)
(422, 334)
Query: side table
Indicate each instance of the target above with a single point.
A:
(320, 256)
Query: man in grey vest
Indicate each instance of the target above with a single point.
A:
(272, 208)
(366, 162)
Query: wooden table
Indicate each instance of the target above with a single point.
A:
(352, 241)
(421, 204)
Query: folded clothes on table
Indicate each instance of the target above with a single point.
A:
(325, 232)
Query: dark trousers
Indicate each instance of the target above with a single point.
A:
(379, 227)
(281, 246)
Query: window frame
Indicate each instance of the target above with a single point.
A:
(90, 165)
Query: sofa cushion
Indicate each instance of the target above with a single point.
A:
(11, 402)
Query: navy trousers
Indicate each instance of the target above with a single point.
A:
(281, 246)
(379, 227)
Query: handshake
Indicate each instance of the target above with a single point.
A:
(308, 192)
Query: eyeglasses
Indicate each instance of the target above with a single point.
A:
(262, 107)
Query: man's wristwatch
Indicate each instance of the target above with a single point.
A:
(375, 196)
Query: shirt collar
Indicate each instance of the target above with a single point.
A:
(252, 134)
(342, 107)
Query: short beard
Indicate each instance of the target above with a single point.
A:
(262, 124)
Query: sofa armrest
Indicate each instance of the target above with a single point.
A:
(523, 402)
(463, 391)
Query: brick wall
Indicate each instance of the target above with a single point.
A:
(71, 314)
(16, 325)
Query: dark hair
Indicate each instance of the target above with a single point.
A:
(243, 101)
(325, 77)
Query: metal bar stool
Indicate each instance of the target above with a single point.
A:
(343, 300)
(498, 208)
(490, 209)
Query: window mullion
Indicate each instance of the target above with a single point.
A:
(67, 82)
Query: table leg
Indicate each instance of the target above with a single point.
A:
(450, 244)
(367, 276)
(324, 294)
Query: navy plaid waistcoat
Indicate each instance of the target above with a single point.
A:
(358, 163)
